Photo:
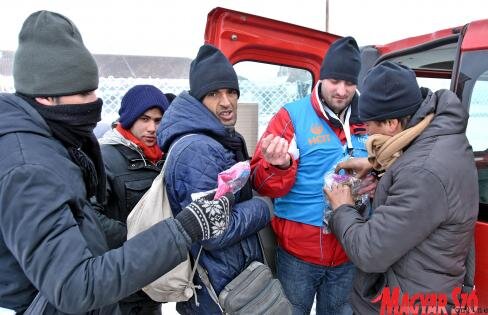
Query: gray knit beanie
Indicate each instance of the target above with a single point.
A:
(51, 59)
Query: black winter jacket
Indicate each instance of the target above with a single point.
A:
(50, 238)
(129, 174)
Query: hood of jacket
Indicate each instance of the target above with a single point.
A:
(20, 116)
(187, 115)
(113, 137)
(450, 117)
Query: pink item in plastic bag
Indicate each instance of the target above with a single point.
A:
(233, 179)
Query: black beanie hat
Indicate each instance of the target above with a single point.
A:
(51, 59)
(342, 61)
(211, 71)
(138, 100)
(390, 91)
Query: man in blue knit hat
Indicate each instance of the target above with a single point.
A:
(304, 141)
(425, 207)
(132, 161)
(207, 114)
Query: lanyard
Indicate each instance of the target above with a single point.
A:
(345, 125)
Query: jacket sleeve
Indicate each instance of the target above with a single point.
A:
(115, 231)
(415, 207)
(247, 218)
(196, 169)
(267, 179)
(41, 226)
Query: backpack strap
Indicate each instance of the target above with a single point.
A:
(202, 273)
(190, 284)
(171, 149)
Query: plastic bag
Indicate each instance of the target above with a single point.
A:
(233, 179)
(360, 200)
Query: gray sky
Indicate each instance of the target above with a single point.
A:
(176, 27)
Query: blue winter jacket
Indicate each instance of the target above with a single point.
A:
(50, 237)
(193, 166)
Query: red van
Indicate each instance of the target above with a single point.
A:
(454, 58)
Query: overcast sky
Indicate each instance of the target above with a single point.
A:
(176, 27)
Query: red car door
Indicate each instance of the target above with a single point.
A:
(243, 36)
(454, 58)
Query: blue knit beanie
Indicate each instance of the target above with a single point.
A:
(342, 61)
(390, 91)
(138, 100)
(211, 71)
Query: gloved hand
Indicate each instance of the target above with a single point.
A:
(205, 218)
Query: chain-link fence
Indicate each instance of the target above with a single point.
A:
(269, 97)
(111, 90)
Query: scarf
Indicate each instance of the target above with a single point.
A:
(154, 153)
(73, 126)
(234, 142)
(384, 150)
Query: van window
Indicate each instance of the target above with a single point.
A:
(434, 83)
(472, 88)
(478, 115)
(270, 87)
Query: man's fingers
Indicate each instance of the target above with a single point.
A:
(284, 146)
(347, 166)
(276, 148)
(338, 167)
(266, 141)
(280, 148)
(271, 148)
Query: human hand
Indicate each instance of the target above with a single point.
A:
(338, 195)
(205, 218)
(359, 166)
(275, 151)
(368, 186)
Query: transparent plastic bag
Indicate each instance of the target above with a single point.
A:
(233, 179)
(360, 200)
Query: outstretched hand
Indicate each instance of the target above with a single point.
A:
(275, 151)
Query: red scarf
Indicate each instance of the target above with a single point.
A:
(154, 153)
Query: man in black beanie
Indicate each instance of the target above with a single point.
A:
(426, 203)
(208, 113)
(53, 250)
(304, 141)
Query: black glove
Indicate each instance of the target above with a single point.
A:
(205, 218)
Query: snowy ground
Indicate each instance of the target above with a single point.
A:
(170, 309)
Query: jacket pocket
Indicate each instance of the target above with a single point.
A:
(134, 190)
(370, 285)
